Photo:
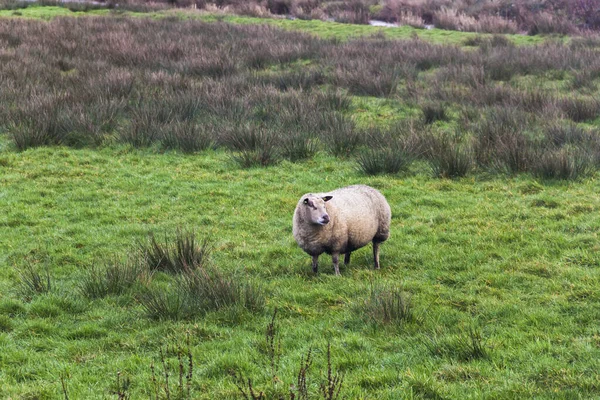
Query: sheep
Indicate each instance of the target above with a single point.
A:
(340, 222)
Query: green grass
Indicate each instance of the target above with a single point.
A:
(501, 272)
(319, 28)
(48, 12)
(511, 258)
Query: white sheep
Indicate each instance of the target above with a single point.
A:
(340, 222)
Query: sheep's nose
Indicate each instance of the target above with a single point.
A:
(325, 218)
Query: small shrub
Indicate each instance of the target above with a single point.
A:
(495, 24)
(331, 388)
(183, 371)
(350, 12)
(273, 344)
(279, 7)
(182, 254)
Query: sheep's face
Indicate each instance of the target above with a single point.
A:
(314, 209)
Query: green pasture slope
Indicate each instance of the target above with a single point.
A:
(502, 275)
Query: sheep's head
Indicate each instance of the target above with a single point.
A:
(314, 209)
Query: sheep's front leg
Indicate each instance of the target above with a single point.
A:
(376, 254)
(347, 258)
(315, 262)
(336, 263)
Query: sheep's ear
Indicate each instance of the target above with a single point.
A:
(327, 198)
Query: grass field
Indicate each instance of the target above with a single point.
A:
(488, 286)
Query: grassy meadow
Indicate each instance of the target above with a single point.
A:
(150, 166)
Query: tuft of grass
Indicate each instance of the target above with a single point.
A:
(164, 303)
(389, 305)
(188, 137)
(341, 137)
(468, 345)
(432, 112)
(375, 161)
(567, 163)
(253, 146)
(182, 254)
(500, 140)
(450, 155)
(115, 278)
(6, 323)
(580, 109)
(198, 291)
(209, 289)
(299, 145)
(33, 281)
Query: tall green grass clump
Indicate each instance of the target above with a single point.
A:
(115, 278)
(34, 280)
(389, 305)
(181, 254)
(197, 292)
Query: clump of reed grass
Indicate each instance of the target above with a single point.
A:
(181, 254)
(33, 281)
(299, 145)
(450, 155)
(469, 344)
(580, 109)
(566, 163)
(188, 137)
(341, 137)
(210, 289)
(500, 141)
(199, 291)
(433, 111)
(252, 145)
(389, 152)
(114, 278)
(382, 160)
(389, 305)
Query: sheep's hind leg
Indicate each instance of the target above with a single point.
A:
(347, 258)
(315, 264)
(336, 263)
(376, 254)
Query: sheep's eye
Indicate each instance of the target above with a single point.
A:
(305, 201)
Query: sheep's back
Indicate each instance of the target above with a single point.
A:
(366, 214)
